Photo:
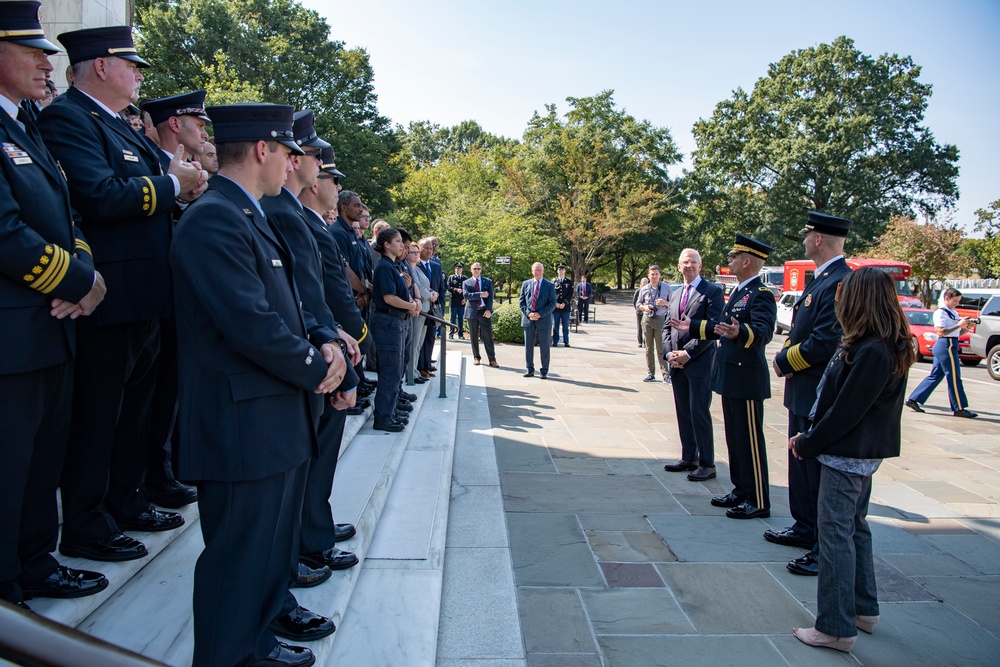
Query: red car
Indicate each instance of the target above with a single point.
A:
(922, 329)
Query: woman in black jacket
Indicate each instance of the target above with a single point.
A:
(855, 424)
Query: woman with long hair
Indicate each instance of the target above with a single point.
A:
(389, 324)
(855, 424)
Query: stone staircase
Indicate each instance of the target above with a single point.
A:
(395, 487)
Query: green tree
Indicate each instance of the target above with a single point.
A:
(275, 51)
(929, 249)
(834, 130)
(984, 253)
(428, 143)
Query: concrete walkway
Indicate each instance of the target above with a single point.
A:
(620, 564)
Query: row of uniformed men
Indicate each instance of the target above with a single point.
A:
(264, 338)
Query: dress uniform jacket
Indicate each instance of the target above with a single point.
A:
(741, 371)
(43, 255)
(350, 246)
(248, 357)
(813, 338)
(564, 291)
(125, 203)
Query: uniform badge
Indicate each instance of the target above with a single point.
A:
(275, 263)
(61, 171)
(16, 154)
(248, 212)
(129, 156)
(809, 299)
(742, 303)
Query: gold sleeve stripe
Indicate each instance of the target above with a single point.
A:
(749, 335)
(84, 246)
(795, 358)
(152, 195)
(702, 330)
(364, 333)
(54, 272)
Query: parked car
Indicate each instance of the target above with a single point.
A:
(922, 330)
(985, 339)
(787, 299)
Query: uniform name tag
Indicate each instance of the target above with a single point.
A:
(276, 262)
(22, 160)
(129, 157)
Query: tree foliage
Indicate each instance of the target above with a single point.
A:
(274, 51)
(929, 248)
(984, 253)
(828, 129)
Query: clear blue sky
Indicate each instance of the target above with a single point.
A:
(669, 62)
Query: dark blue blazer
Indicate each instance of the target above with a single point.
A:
(705, 302)
(544, 306)
(473, 298)
(125, 203)
(42, 255)
(248, 353)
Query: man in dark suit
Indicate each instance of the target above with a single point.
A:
(741, 377)
(254, 370)
(432, 269)
(811, 343)
(537, 301)
(478, 294)
(126, 201)
(47, 280)
(584, 295)
(690, 360)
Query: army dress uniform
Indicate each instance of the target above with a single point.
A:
(742, 378)
(43, 256)
(564, 296)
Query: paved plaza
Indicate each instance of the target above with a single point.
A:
(618, 563)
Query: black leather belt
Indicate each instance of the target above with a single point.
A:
(395, 312)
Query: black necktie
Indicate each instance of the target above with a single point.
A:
(25, 119)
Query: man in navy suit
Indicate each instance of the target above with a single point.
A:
(254, 371)
(584, 295)
(432, 269)
(537, 301)
(478, 294)
(690, 359)
(47, 280)
(126, 201)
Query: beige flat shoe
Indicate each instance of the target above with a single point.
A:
(866, 623)
(814, 637)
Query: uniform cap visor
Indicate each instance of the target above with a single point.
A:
(38, 43)
(296, 149)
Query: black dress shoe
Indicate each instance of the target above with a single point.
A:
(302, 625)
(66, 583)
(681, 466)
(401, 417)
(307, 576)
(965, 412)
(806, 565)
(171, 494)
(371, 383)
(364, 391)
(406, 396)
(152, 521)
(333, 558)
(113, 548)
(529, 374)
(913, 405)
(702, 474)
(747, 511)
(284, 655)
(728, 500)
(343, 531)
(391, 426)
(789, 538)
(544, 375)
(356, 410)
(404, 406)
(420, 380)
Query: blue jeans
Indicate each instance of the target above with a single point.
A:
(458, 319)
(946, 366)
(846, 586)
(560, 317)
(390, 335)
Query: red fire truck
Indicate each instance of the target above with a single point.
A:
(799, 272)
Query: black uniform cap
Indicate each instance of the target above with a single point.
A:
(561, 266)
(459, 265)
(826, 224)
(185, 104)
(21, 23)
(328, 165)
(750, 246)
(254, 122)
(90, 43)
(305, 133)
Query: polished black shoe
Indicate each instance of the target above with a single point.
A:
(728, 500)
(66, 583)
(544, 375)
(965, 412)
(405, 406)
(391, 426)
(406, 396)
(419, 380)
(747, 511)
(302, 625)
(307, 576)
(343, 531)
(401, 417)
(333, 558)
(371, 383)
(364, 391)
(171, 494)
(152, 521)
(806, 565)
(356, 410)
(913, 405)
(113, 548)
(789, 538)
(529, 374)
(681, 466)
(284, 655)
(703, 473)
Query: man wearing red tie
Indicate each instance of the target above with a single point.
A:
(537, 301)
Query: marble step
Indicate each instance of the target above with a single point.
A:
(161, 594)
(392, 616)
